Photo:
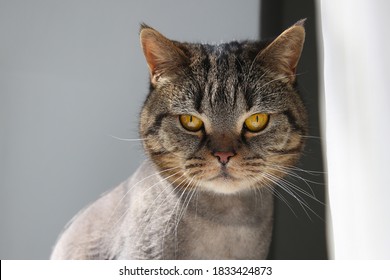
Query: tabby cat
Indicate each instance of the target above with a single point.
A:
(221, 125)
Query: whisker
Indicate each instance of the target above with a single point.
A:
(180, 212)
(310, 172)
(311, 137)
(124, 213)
(172, 213)
(185, 208)
(294, 175)
(279, 196)
(291, 192)
(128, 139)
(147, 212)
(130, 188)
(287, 190)
(294, 187)
(151, 218)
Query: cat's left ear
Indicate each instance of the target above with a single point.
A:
(283, 53)
(163, 56)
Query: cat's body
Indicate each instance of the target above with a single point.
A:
(221, 125)
(134, 222)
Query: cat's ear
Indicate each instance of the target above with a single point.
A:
(162, 55)
(283, 53)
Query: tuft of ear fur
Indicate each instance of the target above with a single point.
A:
(283, 53)
(162, 55)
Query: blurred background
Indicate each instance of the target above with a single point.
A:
(72, 81)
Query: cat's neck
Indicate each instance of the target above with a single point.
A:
(243, 207)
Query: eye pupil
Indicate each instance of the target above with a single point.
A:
(256, 122)
(191, 123)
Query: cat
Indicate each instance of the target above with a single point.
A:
(221, 126)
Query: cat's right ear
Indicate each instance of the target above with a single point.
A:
(162, 55)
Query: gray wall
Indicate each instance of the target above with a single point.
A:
(71, 75)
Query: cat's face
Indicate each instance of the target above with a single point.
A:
(223, 118)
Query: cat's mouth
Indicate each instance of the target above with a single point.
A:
(224, 181)
(224, 174)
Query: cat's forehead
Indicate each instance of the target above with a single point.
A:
(224, 83)
(237, 56)
(225, 77)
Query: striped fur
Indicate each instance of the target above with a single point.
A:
(222, 85)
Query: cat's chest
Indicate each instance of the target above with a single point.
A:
(221, 243)
(205, 240)
(226, 228)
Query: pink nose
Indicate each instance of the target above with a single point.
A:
(224, 157)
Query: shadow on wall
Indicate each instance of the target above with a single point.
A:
(299, 231)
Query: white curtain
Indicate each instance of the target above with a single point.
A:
(356, 120)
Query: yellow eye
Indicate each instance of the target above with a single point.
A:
(191, 123)
(256, 122)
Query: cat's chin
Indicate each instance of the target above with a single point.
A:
(225, 185)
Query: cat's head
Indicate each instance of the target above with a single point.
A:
(224, 118)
